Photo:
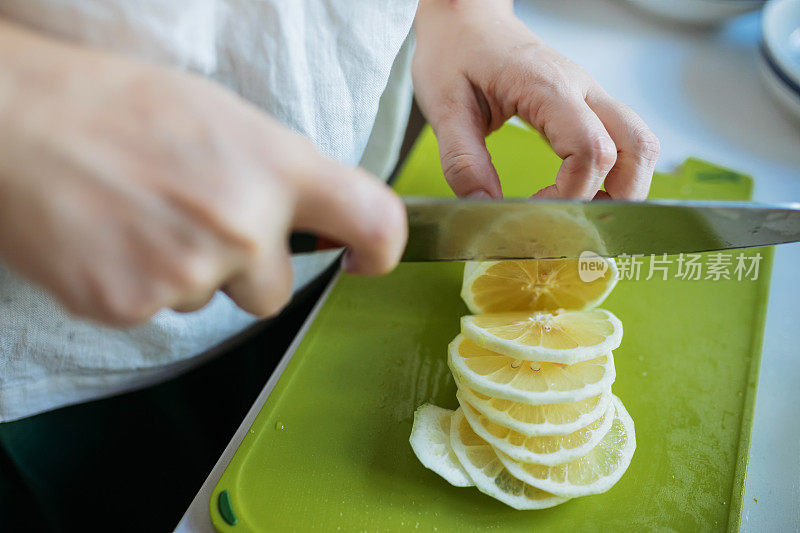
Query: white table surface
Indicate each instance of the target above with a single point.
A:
(700, 92)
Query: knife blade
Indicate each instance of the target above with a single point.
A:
(469, 230)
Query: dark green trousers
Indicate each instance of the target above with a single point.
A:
(135, 461)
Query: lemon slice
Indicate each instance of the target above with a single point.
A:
(595, 472)
(562, 337)
(538, 420)
(544, 450)
(547, 232)
(546, 285)
(490, 476)
(430, 440)
(499, 376)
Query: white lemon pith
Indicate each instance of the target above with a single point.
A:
(593, 473)
(430, 440)
(533, 367)
(531, 382)
(537, 420)
(562, 337)
(489, 474)
(541, 450)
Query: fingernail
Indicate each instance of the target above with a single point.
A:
(480, 194)
(348, 263)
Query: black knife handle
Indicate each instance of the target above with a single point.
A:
(303, 243)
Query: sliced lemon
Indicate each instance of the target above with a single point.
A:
(538, 420)
(430, 440)
(544, 450)
(562, 337)
(499, 376)
(490, 476)
(547, 232)
(595, 472)
(545, 285)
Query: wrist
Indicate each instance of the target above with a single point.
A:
(464, 9)
(467, 5)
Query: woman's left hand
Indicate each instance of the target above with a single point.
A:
(476, 65)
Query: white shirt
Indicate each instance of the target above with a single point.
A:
(334, 70)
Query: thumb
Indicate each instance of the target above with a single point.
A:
(466, 162)
(355, 208)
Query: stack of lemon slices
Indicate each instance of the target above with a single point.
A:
(537, 422)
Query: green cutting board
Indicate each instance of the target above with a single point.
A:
(329, 450)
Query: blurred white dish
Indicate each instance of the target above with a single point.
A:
(780, 52)
(697, 11)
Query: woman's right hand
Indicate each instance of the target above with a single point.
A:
(126, 187)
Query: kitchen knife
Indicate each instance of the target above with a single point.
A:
(468, 230)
